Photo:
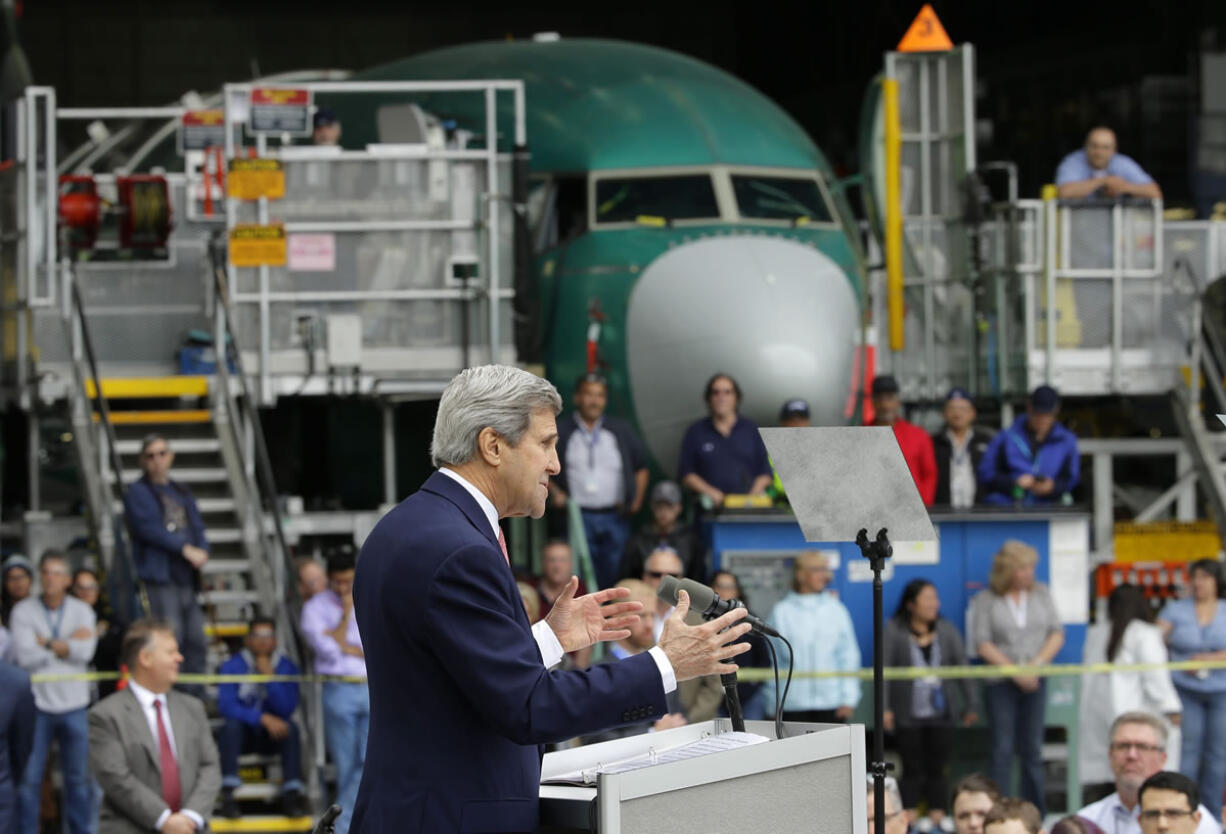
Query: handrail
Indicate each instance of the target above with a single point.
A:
(266, 491)
(107, 431)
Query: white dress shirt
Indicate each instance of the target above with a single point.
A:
(146, 700)
(1111, 816)
(551, 650)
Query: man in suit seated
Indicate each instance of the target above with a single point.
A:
(260, 717)
(151, 748)
(461, 692)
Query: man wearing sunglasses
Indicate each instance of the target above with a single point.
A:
(169, 546)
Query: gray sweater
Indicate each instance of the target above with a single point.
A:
(897, 652)
(31, 620)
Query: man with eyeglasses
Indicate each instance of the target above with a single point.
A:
(1137, 752)
(169, 547)
(1169, 804)
(260, 717)
(54, 634)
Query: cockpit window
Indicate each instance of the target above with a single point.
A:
(633, 199)
(780, 198)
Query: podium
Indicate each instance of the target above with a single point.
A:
(812, 780)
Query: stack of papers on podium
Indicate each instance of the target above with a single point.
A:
(692, 750)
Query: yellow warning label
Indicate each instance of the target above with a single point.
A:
(1166, 541)
(255, 245)
(251, 179)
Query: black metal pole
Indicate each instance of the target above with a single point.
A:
(877, 552)
(732, 699)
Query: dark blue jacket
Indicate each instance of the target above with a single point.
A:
(634, 457)
(1013, 453)
(459, 697)
(246, 702)
(158, 552)
(16, 737)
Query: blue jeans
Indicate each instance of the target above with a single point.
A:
(71, 730)
(606, 542)
(236, 738)
(177, 605)
(346, 720)
(1016, 718)
(1203, 755)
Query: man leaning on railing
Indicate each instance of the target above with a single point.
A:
(1098, 170)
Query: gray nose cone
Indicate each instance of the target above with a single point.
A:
(779, 316)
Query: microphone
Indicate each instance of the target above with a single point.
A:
(707, 603)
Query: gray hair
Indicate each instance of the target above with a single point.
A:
(151, 438)
(892, 794)
(490, 396)
(1149, 719)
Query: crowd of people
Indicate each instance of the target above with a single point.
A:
(57, 623)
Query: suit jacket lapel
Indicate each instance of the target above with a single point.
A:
(140, 729)
(444, 486)
(183, 728)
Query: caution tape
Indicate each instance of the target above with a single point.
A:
(193, 678)
(1051, 670)
(748, 674)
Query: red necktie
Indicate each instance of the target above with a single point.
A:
(172, 793)
(502, 542)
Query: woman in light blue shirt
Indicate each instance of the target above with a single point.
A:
(820, 629)
(1195, 629)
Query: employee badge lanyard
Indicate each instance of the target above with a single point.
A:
(55, 624)
(590, 485)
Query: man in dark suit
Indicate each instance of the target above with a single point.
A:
(461, 695)
(151, 749)
(17, 716)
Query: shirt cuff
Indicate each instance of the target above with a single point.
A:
(667, 676)
(194, 817)
(551, 650)
(162, 820)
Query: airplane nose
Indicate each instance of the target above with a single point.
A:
(778, 315)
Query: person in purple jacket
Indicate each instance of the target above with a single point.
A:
(329, 623)
(260, 717)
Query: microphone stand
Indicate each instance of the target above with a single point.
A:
(732, 699)
(877, 551)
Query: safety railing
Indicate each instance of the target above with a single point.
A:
(98, 445)
(259, 486)
(417, 241)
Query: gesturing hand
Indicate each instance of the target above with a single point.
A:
(695, 651)
(579, 622)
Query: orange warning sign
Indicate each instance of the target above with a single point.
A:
(926, 34)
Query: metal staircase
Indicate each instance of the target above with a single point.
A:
(1207, 362)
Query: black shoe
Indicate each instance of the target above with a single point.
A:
(229, 805)
(293, 804)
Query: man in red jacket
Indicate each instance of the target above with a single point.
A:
(915, 443)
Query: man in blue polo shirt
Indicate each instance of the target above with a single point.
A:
(1098, 170)
(723, 453)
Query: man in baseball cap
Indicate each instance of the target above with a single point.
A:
(1035, 461)
(665, 530)
(959, 449)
